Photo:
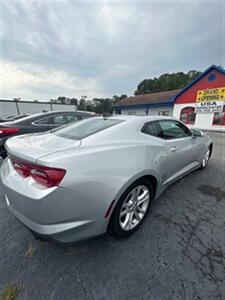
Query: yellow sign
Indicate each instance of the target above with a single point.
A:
(208, 95)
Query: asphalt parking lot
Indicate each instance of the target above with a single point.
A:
(178, 254)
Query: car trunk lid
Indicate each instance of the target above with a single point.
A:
(31, 147)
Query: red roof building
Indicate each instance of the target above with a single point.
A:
(201, 104)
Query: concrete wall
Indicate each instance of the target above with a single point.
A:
(202, 121)
(32, 108)
(8, 108)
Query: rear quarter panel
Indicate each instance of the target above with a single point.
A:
(107, 170)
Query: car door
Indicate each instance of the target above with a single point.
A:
(157, 151)
(182, 149)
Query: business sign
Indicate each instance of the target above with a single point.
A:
(210, 100)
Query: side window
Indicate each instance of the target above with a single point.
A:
(44, 121)
(58, 120)
(152, 128)
(71, 118)
(173, 130)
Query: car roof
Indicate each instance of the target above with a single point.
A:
(43, 115)
(126, 131)
(142, 118)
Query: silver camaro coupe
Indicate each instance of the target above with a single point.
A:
(97, 175)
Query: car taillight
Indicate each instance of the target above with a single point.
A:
(4, 131)
(45, 176)
(21, 168)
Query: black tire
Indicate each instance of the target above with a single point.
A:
(114, 227)
(203, 165)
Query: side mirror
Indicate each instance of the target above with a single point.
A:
(197, 133)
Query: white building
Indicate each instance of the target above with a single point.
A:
(10, 107)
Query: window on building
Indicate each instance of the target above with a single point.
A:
(212, 77)
(164, 113)
(219, 118)
(188, 115)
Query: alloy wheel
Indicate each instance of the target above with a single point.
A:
(206, 159)
(134, 207)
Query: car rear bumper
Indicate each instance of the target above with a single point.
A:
(62, 233)
(57, 213)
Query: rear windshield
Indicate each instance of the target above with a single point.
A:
(84, 128)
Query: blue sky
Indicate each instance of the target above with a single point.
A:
(99, 49)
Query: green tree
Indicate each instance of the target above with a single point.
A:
(74, 101)
(82, 103)
(61, 99)
(89, 105)
(102, 105)
(116, 98)
(166, 82)
(193, 74)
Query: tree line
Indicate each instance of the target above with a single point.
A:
(166, 82)
(99, 105)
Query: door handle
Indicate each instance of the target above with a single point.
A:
(173, 149)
